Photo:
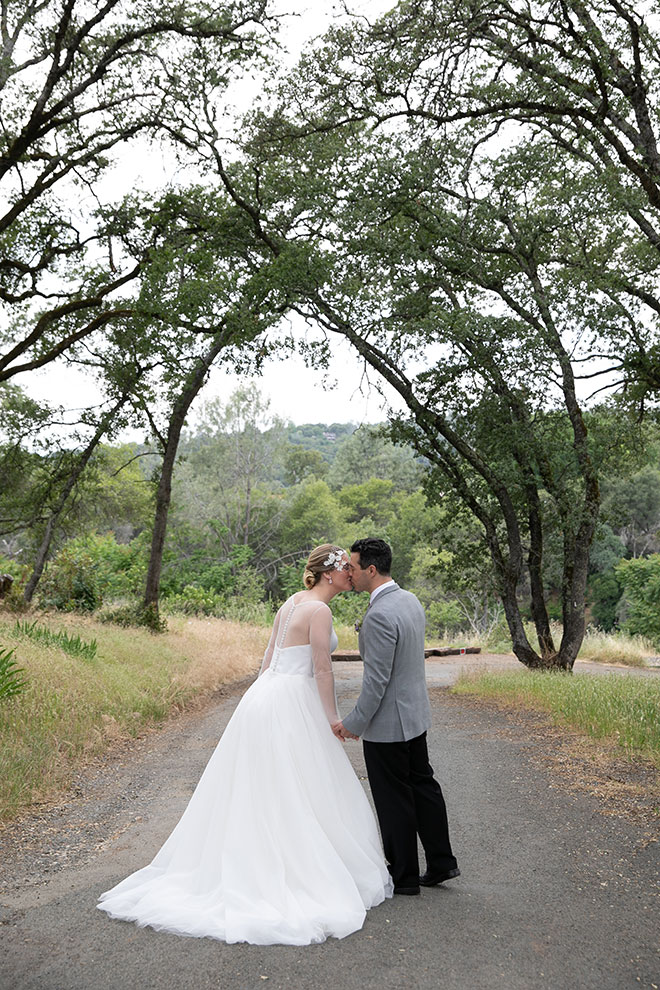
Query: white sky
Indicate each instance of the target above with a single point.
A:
(296, 393)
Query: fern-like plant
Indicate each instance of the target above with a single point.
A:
(11, 683)
(73, 645)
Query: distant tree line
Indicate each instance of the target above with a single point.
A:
(249, 502)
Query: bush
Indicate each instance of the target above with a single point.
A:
(241, 610)
(444, 617)
(71, 582)
(604, 594)
(349, 609)
(91, 569)
(13, 600)
(640, 579)
(243, 604)
(194, 600)
(135, 614)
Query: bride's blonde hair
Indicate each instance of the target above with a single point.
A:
(316, 563)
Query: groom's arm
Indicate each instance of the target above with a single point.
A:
(380, 638)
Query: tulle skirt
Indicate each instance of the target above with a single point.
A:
(278, 843)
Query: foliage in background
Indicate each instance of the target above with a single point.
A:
(640, 580)
(92, 569)
(242, 524)
(515, 267)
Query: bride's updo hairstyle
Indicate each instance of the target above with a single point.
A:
(316, 563)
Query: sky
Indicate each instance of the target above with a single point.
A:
(296, 393)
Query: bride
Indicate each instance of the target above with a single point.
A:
(278, 843)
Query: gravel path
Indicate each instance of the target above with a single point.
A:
(554, 893)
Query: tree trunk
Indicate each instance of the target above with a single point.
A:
(521, 645)
(535, 567)
(180, 409)
(81, 464)
(574, 583)
(40, 560)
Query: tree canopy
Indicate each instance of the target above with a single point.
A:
(468, 194)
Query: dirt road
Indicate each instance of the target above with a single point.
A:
(553, 893)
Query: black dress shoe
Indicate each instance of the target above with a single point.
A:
(407, 890)
(430, 879)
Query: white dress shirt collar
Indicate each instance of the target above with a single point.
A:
(377, 591)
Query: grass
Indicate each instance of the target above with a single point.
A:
(633, 651)
(72, 707)
(348, 638)
(622, 709)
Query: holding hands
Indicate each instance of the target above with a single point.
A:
(341, 732)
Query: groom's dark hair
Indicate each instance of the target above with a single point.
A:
(373, 551)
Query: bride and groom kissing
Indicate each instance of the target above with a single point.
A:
(278, 843)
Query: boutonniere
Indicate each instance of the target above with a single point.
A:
(358, 624)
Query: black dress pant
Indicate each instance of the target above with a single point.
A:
(409, 803)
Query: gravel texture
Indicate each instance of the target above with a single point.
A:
(560, 884)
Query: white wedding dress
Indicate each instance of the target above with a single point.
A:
(278, 843)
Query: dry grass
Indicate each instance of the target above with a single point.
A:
(348, 638)
(633, 651)
(72, 707)
(598, 646)
(218, 651)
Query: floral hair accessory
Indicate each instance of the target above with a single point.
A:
(334, 558)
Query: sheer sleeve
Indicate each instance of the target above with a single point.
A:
(270, 649)
(320, 630)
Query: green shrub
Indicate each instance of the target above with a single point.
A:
(604, 594)
(217, 578)
(194, 600)
(13, 600)
(135, 614)
(350, 608)
(640, 579)
(91, 569)
(241, 610)
(444, 617)
(242, 605)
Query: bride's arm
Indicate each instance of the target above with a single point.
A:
(320, 630)
(270, 649)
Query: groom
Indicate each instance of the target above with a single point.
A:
(392, 715)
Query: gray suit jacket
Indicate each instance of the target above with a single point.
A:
(393, 703)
